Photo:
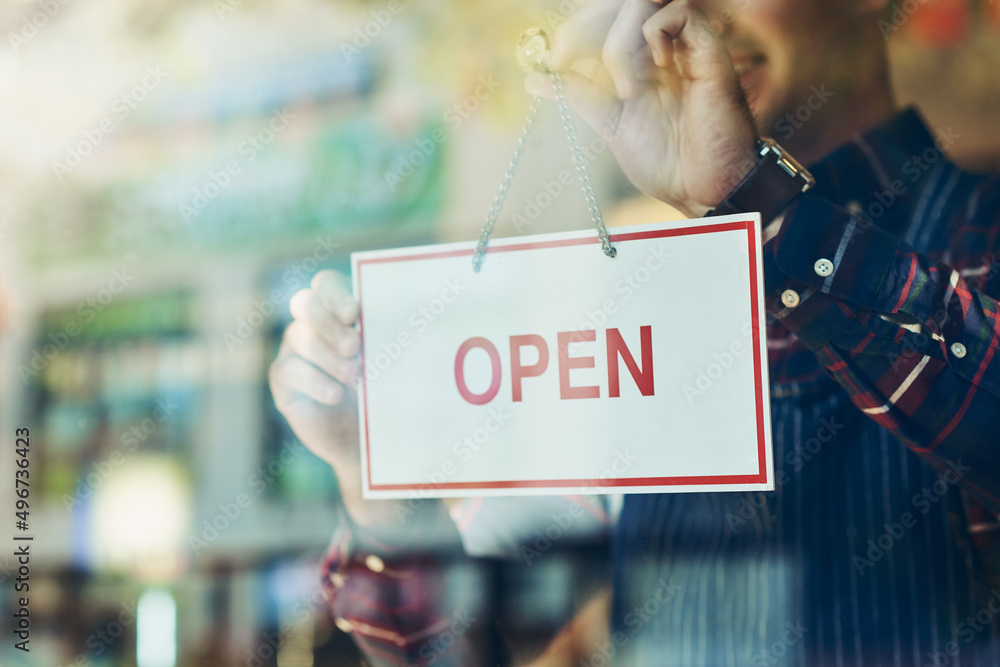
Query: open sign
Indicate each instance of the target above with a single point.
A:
(554, 362)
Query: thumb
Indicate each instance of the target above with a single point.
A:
(599, 108)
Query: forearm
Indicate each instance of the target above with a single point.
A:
(581, 638)
(909, 339)
(399, 598)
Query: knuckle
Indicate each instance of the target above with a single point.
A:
(563, 30)
(317, 350)
(350, 345)
(299, 302)
(279, 375)
(327, 281)
(296, 333)
(651, 30)
(320, 278)
(609, 53)
(273, 371)
(302, 296)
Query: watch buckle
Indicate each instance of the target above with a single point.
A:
(791, 166)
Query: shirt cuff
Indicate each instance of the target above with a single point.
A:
(827, 249)
(392, 600)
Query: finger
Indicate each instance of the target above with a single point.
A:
(660, 43)
(307, 306)
(305, 342)
(292, 376)
(333, 292)
(582, 35)
(682, 28)
(625, 39)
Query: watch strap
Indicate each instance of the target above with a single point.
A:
(771, 184)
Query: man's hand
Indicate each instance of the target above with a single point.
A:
(679, 124)
(313, 377)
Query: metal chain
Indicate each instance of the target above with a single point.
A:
(491, 218)
(579, 161)
(581, 166)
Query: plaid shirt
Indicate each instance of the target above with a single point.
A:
(882, 334)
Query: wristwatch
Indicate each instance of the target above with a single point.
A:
(772, 183)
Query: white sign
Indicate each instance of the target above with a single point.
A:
(556, 370)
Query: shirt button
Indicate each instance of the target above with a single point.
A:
(344, 625)
(790, 298)
(374, 563)
(958, 350)
(823, 267)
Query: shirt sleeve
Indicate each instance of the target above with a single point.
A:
(403, 606)
(912, 341)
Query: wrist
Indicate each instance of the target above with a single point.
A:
(385, 524)
(740, 158)
(772, 182)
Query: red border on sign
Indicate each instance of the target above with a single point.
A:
(707, 480)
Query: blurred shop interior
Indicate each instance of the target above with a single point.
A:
(171, 173)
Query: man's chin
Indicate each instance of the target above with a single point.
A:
(765, 115)
(754, 88)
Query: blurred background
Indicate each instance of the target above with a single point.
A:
(171, 172)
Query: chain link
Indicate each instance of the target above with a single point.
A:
(491, 218)
(581, 166)
(579, 161)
